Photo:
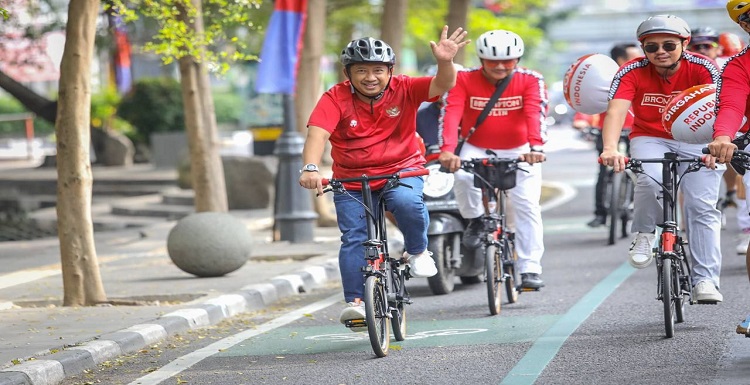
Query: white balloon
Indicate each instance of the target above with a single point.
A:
(689, 117)
(586, 83)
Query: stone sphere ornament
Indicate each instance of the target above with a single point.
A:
(209, 244)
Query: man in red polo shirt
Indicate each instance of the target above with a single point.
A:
(370, 121)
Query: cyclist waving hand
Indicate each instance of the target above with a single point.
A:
(370, 121)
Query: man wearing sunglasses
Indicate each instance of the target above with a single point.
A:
(733, 111)
(705, 41)
(647, 84)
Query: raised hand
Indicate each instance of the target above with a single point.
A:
(447, 47)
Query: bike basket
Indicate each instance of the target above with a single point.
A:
(501, 176)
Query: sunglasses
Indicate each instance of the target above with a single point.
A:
(701, 47)
(668, 46)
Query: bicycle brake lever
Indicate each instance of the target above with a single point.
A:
(325, 190)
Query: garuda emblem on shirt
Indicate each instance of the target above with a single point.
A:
(393, 111)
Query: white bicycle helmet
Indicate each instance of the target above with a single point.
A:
(499, 45)
(663, 24)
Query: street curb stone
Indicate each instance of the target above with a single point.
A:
(53, 369)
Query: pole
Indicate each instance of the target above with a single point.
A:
(293, 215)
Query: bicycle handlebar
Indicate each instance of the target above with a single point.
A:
(661, 160)
(740, 160)
(367, 178)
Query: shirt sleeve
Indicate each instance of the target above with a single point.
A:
(535, 109)
(420, 89)
(733, 91)
(326, 113)
(452, 110)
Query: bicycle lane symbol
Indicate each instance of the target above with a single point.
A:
(349, 337)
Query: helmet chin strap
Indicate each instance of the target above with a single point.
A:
(670, 68)
(375, 98)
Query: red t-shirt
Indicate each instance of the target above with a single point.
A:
(374, 143)
(596, 121)
(733, 96)
(517, 118)
(649, 92)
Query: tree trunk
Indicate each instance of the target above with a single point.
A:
(82, 282)
(206, 169)
(458, 11)
(309, 88)
(392, 26)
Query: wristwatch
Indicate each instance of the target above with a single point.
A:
(538, 149)
(310, 167)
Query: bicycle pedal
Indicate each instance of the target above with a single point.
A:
(355, 323)
(706, 302)
(520, 289)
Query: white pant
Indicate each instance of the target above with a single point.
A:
(525, 197)
(701, 192)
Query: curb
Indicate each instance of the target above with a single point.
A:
(74, 360)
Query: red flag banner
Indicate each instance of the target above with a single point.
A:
(279, 56)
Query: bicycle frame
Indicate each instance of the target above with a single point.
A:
(385, 292)
(497, 240)
(672, 265)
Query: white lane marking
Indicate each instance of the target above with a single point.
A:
(567, 193)
(26, 276)
(186, 361)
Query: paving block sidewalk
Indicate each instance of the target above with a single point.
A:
(42, 342)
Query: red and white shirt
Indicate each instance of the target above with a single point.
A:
(517, 118)
(649, 92)
(380, 142)
(733, 96)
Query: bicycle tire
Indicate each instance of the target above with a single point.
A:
(509, 268)
(441, 247)
(667, 298)
(626, 204)
(376, 309)
(679, 301)
(682, 276)
(492, 271)
(613, 211)
(398, 310)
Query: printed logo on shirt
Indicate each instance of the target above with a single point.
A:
(657, 100)
(501, 108)
(393, 111)
(353, 123)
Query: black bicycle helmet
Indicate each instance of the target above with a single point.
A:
(705, 33)
(367, 50)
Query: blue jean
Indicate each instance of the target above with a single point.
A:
(407, 206)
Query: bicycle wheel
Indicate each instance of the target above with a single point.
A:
(509, 268)
(398, 310)
(667, 298)
(441, 247)
(493, 267)
(679, 300)
(626, 204)
(376, 315)
(682, 286)
(613, 211)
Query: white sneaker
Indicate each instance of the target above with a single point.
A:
(742, 241)
(641, 250)
(706, 292)
(421, 265)
(353, 311)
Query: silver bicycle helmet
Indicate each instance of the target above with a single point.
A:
(367, 50)
(664, 24)
(499, 45)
